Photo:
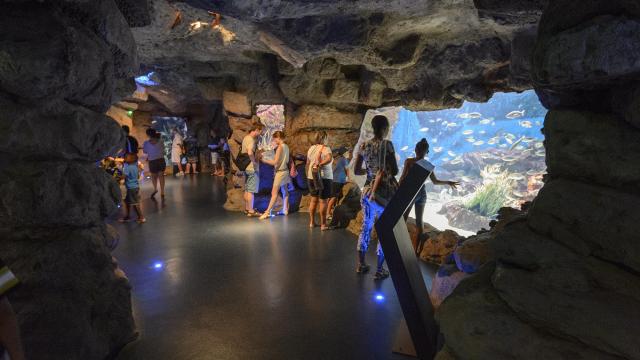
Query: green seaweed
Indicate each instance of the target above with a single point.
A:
(490, 197)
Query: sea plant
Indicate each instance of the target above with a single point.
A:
(491, 195)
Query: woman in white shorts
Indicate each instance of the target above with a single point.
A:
(281, 177)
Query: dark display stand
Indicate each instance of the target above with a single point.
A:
(403, 265)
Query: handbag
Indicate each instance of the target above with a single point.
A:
(316, 172)
(384, 185)
(293, 172)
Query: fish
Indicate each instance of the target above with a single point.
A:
(478, 143)
(485, 121)
(470, 139)
(526, 124)
(492, 141)
(538, 123)
(451, 153)
(445, 159)
(534, 172)
(516, 177)
(541, 153)
(509, 158)
(424, 129)
(466, 179)
(485, 156)
(437, 150)
(456, 161)
(539, 145)
(434, 140)
(503, 145)
(520, 147)
(405, 148)
(515, 114)
(482, 132)
(509, 136)
(467, 132)
(509, 141)
(527, 139)
(515, 144)
(452, 124)
(519, 194)
(473, 115)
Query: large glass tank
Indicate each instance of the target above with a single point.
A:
(494, 149)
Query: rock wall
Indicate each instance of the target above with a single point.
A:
(61, 66)
(566, 283)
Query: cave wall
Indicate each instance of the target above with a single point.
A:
(61, 66)
(566, 280)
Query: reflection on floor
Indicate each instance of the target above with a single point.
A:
(209, 284)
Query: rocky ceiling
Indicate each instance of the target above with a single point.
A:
(353, 55)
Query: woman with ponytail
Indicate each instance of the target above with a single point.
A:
(422, 149)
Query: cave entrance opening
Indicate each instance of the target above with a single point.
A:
(165, 126)
(495, 149)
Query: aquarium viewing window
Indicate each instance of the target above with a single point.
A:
(494, 149)
(272, 117)
(164, 125)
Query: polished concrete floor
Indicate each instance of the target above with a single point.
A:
(212, 284)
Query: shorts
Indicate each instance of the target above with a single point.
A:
(251, 182)
(176, 156)
(215, 156)
(132, 197)
(192, 159)
(281, 178)
(421, 197)
(323, 194)
(157, 166)
(336, 189)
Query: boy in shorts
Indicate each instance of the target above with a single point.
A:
(131, 173)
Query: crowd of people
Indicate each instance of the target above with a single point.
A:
(326, 172)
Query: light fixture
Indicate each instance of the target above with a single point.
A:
(379, 298)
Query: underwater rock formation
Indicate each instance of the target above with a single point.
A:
(61, 66)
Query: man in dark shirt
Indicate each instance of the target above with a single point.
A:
(131, 144)
(9, 333)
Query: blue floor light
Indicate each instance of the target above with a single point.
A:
(379, 298)
(158, 265)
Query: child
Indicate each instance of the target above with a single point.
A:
(422, 149)
(131, 173)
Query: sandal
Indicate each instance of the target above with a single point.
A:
(253, 214)
(324, 228)
(141, 220)
(381, 274)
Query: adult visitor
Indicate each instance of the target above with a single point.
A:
(252, 172)
(319, 173)
(177, 150)
(131, 143)
(10, 342)
(154, 149)
(215, 146)
(340, 177)
(281, 165)
(421, 149)
(192, 153)
(379, 158)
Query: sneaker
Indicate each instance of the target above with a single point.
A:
(381, 274)
(362, 269)
(265, 215)
(254, 214)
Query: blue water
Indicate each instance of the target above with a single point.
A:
(446, 129)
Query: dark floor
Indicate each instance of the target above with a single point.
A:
(211, 284)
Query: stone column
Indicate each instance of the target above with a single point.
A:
(61, 64)
(566, 281)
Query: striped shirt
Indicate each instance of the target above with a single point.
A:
(7, 279)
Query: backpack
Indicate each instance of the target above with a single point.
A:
(242, 160)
